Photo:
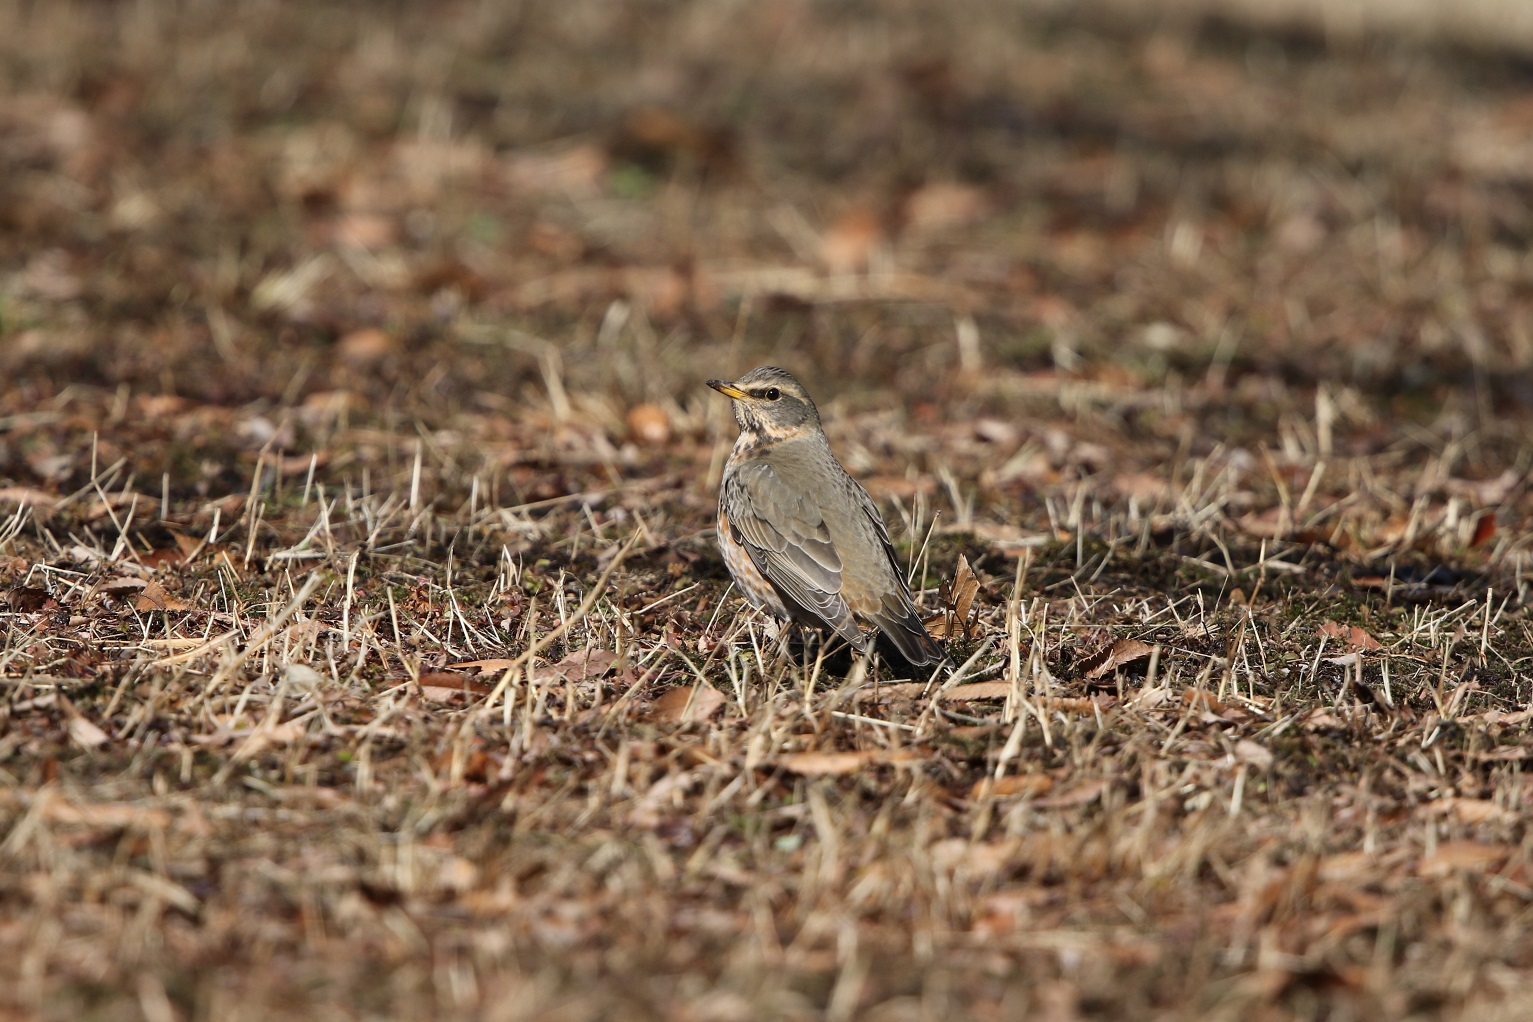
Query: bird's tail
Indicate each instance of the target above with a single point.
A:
(898, 620)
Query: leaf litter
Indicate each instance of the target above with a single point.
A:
(367, 648)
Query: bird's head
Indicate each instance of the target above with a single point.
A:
(769, 402)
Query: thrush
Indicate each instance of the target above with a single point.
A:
(801, 537)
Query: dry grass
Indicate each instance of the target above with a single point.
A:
(367, 652)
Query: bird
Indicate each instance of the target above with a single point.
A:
(802, 538)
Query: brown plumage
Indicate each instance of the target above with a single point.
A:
(802, 538)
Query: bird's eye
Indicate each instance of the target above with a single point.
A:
(771, 394)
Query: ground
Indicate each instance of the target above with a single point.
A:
(367, 650)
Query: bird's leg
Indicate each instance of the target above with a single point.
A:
(789, 631)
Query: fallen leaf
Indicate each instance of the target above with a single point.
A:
(154, 597)
(111, 815)
(959, 597)
(1147, 487)
(1463, 856)
(1206, 701)
(1254, 753)
(1124, 651)
(573, 170)
(1346, 866)
(447, 686)
(265, 736)
(83, 732)
(1079, 795)
(835, 764)
(581, 665)
(974, 858)
(1469, 810)
(27, 495)
(848, 246)
(653, 135)
(1484, 529)
(997, 431)
(1012, 786)
(119, 588)
(1500, 716)
(1357, 639)
(28, 599)
(649, 424)
(1503, 754)
(365, 347)
(944, 204)
(978, 690)
(684, 705)
(162, 556)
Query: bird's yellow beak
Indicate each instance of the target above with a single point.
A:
(729, 390)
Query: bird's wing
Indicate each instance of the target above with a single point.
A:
(785, 535)
(897, 617)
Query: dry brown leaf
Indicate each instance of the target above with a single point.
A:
(365, 347)
(652, 134)
(581, 665)
(120, 588)
(684, 705)
(1500, 716)
(833, 764)
(184, 543)
(1253, 753)
(886, 693)
(1124, 651)
(111, 815)
(1463, 856)
(965, 589)
(266, 736)
(1484, 529)
(975, 858)
(1357, 639)
(649, 424)
(154, 597)
(1012, 786)
(999, 432)
(364, 229)
(574, 170)
(1079, 795)
(1468, 810)
(944, 204)
(84, 733)
(493, 664)
(447, 686)
(29, 599)
(1002, 689)
(162, 556)
(28, 495)
(1346, 866)
(1205, 701)
(1503, 754)
(848, 246)
(978, 690)
(959, 596)
(1147, 487)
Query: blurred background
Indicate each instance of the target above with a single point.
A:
(1172, 225)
